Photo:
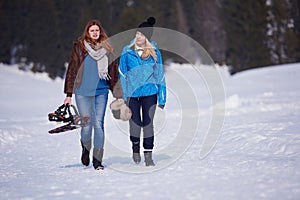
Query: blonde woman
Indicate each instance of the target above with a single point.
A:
(143, 84)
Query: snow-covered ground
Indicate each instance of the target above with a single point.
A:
(256, 155)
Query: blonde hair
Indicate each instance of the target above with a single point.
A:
(149, 50)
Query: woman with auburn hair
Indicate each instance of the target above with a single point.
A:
(91, 73)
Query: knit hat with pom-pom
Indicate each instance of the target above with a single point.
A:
(147, 27)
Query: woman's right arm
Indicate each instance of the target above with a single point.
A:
(71, 72)
(71, 75)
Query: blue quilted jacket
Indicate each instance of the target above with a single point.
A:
(142, 77)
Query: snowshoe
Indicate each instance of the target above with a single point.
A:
(64, 114)
(64, 128)
(59, 114)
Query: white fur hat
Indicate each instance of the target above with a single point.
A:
(120, 110)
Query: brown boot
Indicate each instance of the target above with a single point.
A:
(97, 158)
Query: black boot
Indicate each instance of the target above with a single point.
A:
(97, 158)
(148, 158)
(136, 152)
(85, 156)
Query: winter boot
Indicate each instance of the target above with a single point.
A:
(148, 158)
(85, 156)
(136, 152)
(97, 158)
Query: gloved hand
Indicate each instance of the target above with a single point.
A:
(161, 106)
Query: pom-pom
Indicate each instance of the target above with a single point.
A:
(151, 21)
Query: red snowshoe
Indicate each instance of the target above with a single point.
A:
(64, 114)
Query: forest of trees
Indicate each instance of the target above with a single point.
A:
(243, 34)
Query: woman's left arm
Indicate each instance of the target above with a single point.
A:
(161, 82)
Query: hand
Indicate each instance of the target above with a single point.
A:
(68, 100)
(161, 106)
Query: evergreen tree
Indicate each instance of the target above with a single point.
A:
(282, 39)
(294, 31)
(41, 32)
(205, 26)
(245, 24)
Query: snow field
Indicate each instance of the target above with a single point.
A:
(256, 155)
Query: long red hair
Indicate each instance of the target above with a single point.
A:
(102, 40)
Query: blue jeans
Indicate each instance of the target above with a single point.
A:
(94, 107)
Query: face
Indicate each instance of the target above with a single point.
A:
(140, 39)
(94, 32)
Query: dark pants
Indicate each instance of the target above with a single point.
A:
(137, 122)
